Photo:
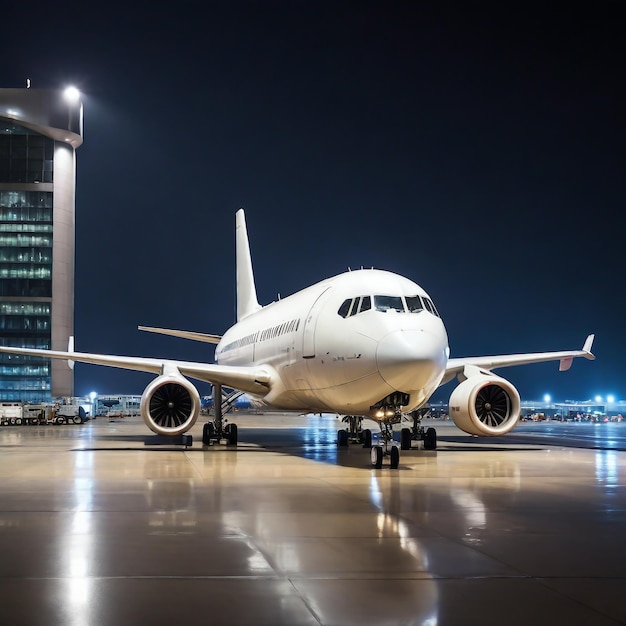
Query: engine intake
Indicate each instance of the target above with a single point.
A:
(170, 405)
(485, 405)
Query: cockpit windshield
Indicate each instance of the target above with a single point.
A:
(399, 304)
(389, 303)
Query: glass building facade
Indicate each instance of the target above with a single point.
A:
(36, 239)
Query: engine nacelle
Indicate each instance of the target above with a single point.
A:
(170, 405)
(485, 405)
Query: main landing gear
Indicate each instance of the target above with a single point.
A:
(418, 433)
(217, 430)
(355, 433)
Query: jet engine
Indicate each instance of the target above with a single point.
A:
(485, 405)
(170, 405)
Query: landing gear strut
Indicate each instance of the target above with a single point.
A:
(215, 431)
(418, 432)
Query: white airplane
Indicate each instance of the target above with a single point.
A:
(363, 344)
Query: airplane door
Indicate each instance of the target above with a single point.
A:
(308, 335)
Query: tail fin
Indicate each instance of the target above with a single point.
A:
(246, 291)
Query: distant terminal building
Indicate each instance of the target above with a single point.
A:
(40, 130)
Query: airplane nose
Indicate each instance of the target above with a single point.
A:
(410, 359)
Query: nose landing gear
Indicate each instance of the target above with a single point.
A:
(388, 448)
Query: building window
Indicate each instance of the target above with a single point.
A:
(25, 156)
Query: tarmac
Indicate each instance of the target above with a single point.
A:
(98, 528)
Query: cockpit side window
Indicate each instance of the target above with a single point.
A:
(354, 306)
(388, 303)
(344, 309)
(430, 307)
(414, 304)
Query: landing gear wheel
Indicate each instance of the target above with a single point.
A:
(367, 438)
(405, 439)
(377, 456)
(430, 439)
(394, 457)
(231, 434)
(342, 438)
(208, 431)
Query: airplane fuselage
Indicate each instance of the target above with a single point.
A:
(344, 345)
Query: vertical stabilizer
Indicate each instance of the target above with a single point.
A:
(246, 291)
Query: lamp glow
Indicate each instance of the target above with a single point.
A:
(71, 94)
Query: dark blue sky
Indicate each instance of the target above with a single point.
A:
(477, 148)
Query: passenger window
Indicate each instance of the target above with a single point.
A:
(388, 303)
(344, 308)
(366, 304)
(414, 304)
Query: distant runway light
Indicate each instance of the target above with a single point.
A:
(610, 398)
(598, 398)
(547, 398)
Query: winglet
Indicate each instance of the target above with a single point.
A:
(70, 348)
(247, 302)
(566, 363)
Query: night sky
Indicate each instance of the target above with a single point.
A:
(476, 148)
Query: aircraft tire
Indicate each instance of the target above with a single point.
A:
(405, 439)
(231, 434)
(342, 438)
(430, 439)
(394, 457)
(377, 456)
(208, 430)
(367, 438)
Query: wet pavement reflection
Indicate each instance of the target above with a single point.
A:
(98, 528)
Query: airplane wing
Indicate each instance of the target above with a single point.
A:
(185, 334)
(249, 379)
(456, 366)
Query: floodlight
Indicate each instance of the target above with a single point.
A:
(71, 94)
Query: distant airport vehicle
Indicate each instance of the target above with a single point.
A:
(16, 414)
(11, 413)
(363, 344)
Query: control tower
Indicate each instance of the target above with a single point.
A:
(40, 130)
